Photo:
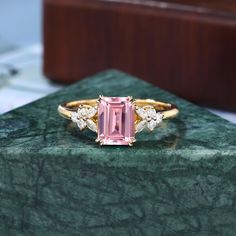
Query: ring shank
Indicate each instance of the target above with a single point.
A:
(166, 109)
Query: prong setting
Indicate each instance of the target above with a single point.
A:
(100, 98)
(116, 120)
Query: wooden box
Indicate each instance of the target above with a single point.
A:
(186, 47)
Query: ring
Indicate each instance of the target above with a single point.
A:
(116, 120)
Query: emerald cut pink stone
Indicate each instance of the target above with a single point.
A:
(116, 121)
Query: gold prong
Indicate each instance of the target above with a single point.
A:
(97, 140)
(131, 99)
(100, 98)
(131, 143)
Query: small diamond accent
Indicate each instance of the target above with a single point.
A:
(82, 112)
(91, 125)
(140, 126)
(141, 112)
(81, 124)
(151, 125)
(91, 112)
(74, 117)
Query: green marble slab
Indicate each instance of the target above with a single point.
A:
(55, 180)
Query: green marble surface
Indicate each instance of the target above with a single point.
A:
(55, 180)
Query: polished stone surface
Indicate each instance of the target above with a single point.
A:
(55, 180)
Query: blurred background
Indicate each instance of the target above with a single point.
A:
(21, 22)
(21, 49)
(44, 45)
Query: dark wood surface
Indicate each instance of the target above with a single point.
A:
(185, 47)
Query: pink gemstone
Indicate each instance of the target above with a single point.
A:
(116, 121)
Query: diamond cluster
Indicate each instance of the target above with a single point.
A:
(84, 117)
(150, 118)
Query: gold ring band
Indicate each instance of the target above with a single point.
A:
(111, 117)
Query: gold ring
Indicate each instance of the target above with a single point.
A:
(116, 120)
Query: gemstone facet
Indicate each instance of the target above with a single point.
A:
(116, 121)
